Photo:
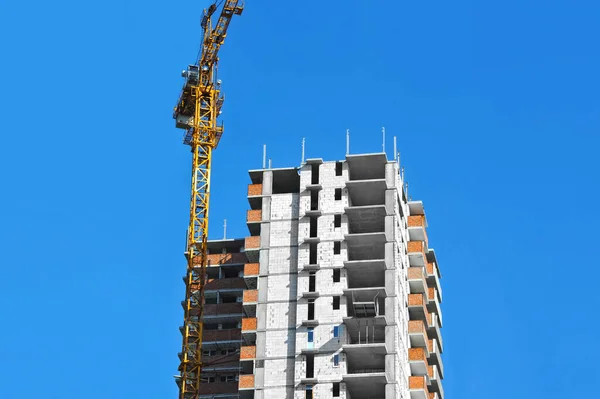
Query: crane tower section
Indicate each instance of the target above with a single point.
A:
(197, 112)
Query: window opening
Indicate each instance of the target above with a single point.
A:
(336, 275)
(338, 194)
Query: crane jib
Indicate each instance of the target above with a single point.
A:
(196, 112)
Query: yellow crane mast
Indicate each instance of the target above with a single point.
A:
(197, 111)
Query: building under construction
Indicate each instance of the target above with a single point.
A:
(335, 292)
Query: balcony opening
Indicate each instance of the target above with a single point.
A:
(285, 181)
(313, 227)
(312, 282)
(231, 272)
(210, 300)
(339, 166)
(366, 167)
(311, 310)
(364, 306)
(314, 200)
(336, 303)
(312, 254)
(336, 275)
(230, 299)
(336, 389)
(337, 247)
(337, 221)
(338, 194)
(310, 366)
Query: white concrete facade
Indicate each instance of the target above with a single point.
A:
(332, 312)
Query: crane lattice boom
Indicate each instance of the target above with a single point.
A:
(197, 111)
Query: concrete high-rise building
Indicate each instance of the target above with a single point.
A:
(341, 293)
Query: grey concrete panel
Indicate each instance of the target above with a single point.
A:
(390, 367)
(390, 310)
(390, 199)
(389, 256)
(261, 316)
(390, 282)
(266, 208)
(390, 174)
(262, 292)
(391, 391)
(263, 268)
(390, 226)
(265, 235)
(261, 344)
(267, 183)
(390, 338)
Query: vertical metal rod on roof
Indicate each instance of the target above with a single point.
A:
(347, 141)
(270, 163)
(225, 229)
(383, 134)
(264, 156)
(402, 168)
(303, 144)
(406, 190)
(395, 150)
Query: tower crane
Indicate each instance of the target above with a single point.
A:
(197, 112)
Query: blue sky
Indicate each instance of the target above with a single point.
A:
(497, 114)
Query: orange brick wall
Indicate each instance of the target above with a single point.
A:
(225, 283)
(214, 309)
(416, 221)
(254, 189)
(415, 246)
(251, 296)
(249, 323)
(253, 242)
(222, 259)
(432, 294)
(415, 299)
(417, 383)
(416, 326)
(247, 352)
(430, 268)
(429, 318)
(221, 335)
(254, 216)
(246, 381)
(251, 269)
(219, 388)
(415, 273)
(416, 354)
